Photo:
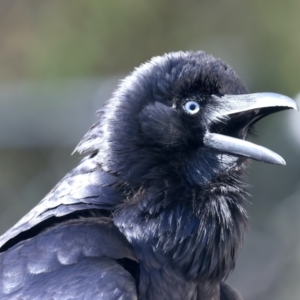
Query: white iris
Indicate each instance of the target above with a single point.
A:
(192, 107)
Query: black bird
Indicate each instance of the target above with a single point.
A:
(155, 210)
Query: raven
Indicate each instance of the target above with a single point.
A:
(155, 210)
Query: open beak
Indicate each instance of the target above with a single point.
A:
(234, 115)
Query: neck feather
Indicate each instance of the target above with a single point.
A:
(197, 232)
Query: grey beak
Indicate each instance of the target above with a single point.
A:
(238, 106)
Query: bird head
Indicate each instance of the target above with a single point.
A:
(184, 113)
(174, 134)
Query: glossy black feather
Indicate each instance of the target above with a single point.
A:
(168, 202)
(77, 256)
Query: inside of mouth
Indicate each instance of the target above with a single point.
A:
(238, 124)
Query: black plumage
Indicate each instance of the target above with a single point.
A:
(155, 209)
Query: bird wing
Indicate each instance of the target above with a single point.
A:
(85, 187)
(77, 259)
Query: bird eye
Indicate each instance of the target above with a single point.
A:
(192, 107)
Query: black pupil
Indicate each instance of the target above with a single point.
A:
(193, 106)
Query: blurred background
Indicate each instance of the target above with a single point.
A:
(59, 60)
